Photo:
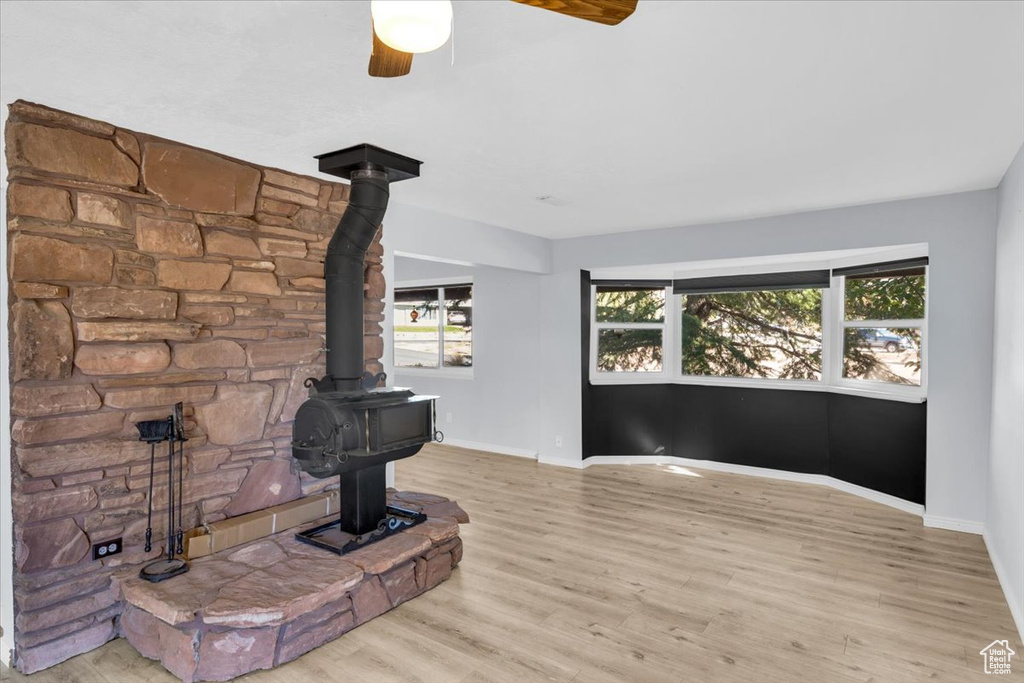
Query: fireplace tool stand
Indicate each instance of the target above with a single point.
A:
(172, 430)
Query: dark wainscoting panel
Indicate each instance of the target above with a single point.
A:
(632, 419)
(878, 444)
(783, 430)
(874, 443)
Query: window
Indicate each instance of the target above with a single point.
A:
(630, 325)
(434, 327)
(762, 325)
(855, 329)
(773, 333)
(883, 323)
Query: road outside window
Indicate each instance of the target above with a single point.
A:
(433, 327)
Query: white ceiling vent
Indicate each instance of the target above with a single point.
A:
(552, 200)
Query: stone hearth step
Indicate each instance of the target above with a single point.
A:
(259, 605)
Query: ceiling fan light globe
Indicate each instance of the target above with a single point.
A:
(412, 25)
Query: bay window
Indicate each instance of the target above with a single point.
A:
(858, 328)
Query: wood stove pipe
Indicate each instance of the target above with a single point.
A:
(343, 272)
(370, 171)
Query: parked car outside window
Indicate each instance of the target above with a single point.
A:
(886, 339)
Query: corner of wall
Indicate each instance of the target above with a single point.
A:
(1013, 600)
(1004, 537)
(6, 512)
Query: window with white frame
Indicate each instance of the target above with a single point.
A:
(883, 322)
(855, 329)
(761, 333)
(433, 326)
(629, 323)
(764, 326)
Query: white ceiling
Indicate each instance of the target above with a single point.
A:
(688, 112)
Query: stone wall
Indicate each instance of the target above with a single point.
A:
(145, 272)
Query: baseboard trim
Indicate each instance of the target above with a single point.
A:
(953, 524)
(1005, 584)
(798, 477)
(491, 448)
(571, 463)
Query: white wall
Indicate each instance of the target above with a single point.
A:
(499, 406)
(420, 232)
(960, 232)
(1004, 525)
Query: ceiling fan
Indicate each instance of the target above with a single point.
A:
(402, 28)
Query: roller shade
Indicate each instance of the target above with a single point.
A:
(802, 279)
(458, 292)
(409, 294)
(628, 285)
(909, 266)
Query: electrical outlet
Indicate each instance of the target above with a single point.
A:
(106, 549)
(558, 442)
(448, 418)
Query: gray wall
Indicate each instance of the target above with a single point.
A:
(960, 232)
(499, 406)
(1004, 526)
(413, 231)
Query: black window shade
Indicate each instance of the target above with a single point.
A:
(803, 279)
(458, 292)
(416, 295)
(412, 294)
(910, 266)
(629, 285)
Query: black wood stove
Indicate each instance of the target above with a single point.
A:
(347, 427)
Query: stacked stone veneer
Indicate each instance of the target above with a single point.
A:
(272, 600)
(145, 272)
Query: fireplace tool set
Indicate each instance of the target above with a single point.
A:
(172, 430)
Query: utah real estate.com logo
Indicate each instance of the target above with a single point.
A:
(997, 657)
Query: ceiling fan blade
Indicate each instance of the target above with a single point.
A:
(609, 12)
(387, 62)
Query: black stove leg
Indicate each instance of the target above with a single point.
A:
(363, 499)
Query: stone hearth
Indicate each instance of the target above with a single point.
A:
(262, 604)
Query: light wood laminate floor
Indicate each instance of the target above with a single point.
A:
(654, 573)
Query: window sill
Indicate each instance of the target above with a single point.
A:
(437, 373)
(909, 396)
